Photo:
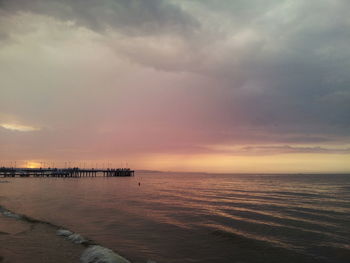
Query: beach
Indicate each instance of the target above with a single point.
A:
(34, 242)
(27, 239)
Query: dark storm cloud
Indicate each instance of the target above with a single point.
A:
(135, 17)
(297, 75)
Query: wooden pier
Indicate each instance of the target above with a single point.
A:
(65, 173)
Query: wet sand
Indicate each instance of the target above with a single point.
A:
(34, 242)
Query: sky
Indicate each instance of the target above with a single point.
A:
(196, 85)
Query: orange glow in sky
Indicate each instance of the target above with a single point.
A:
(32, 164)
(282, 163)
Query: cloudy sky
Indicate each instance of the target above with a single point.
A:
(196, 85)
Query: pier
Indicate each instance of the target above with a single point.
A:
(65, 172)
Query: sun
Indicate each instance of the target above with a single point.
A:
(33, 165)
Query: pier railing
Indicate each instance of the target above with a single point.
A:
(64, 172)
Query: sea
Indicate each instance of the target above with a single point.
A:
(197, 217)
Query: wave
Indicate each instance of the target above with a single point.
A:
(99, 254)
(94, 253)
(284, 254)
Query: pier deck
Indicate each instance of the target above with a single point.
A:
(65, 172)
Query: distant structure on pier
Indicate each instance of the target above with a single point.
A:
(66, 172)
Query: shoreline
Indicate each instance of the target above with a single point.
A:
(25, 239)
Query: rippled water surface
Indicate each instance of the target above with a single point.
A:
(197, 217)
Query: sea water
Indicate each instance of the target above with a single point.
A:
(186, 217)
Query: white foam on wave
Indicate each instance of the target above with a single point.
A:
(98, 254)
(63, 232)
(10, 214)
(74, 237)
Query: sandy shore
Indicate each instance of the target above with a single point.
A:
(34, 242)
